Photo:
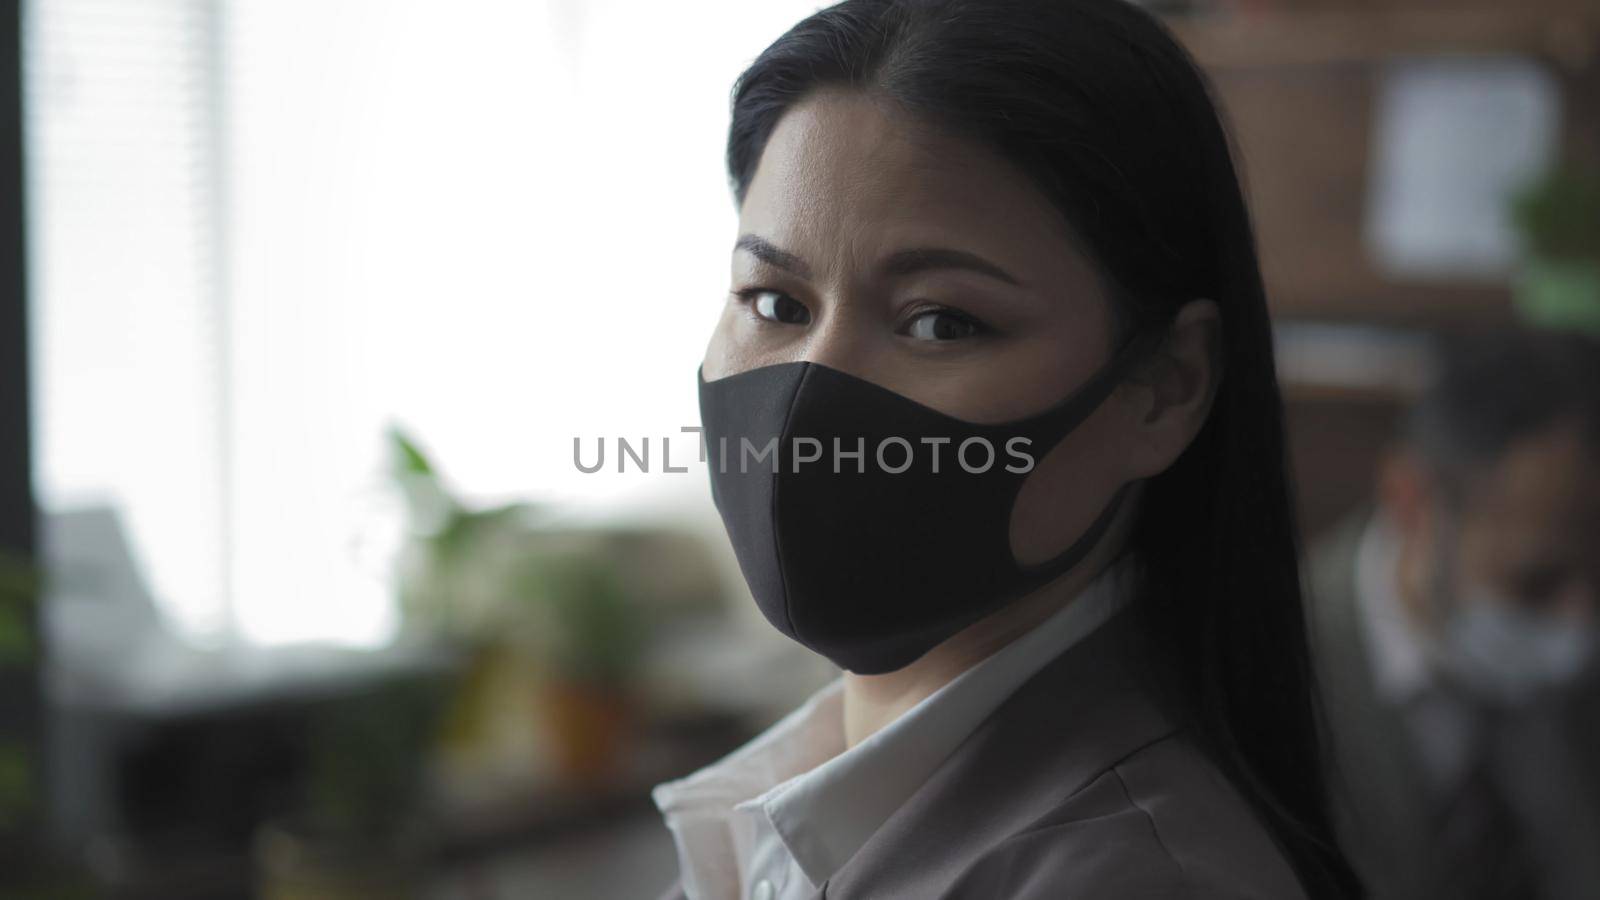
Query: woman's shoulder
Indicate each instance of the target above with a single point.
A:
(1160, 823)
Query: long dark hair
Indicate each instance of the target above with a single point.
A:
(1113, 121)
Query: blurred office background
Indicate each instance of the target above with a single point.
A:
(307, 303)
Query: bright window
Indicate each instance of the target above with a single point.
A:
(263, 230)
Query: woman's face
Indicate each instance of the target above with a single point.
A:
(928, 266)
(917, 262)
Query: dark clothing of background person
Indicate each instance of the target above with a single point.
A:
(1520, 818)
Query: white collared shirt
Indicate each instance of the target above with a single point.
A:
(1400, 668)
(1444, 728)
(779, 816)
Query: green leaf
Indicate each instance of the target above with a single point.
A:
(19, 586)
(1558, 214)
(408, 456)
(16, 784)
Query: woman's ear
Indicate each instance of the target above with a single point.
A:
(1172, 392)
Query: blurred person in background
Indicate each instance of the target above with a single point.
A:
(1082, 675)
(1455, 628)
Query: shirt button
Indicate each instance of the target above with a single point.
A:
(763, 890)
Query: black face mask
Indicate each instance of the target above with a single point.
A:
(873, 559)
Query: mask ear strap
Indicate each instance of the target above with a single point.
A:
(1068, 416)
(1057, 423)
(1058, 565)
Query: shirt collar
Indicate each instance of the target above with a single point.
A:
(825, 801)
(698, 807)
(1400, 668)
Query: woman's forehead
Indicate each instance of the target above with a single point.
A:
(843, 173)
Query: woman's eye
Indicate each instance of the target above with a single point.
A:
(777, 307)
(942, 325)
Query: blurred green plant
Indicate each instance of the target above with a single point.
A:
(1558, 214)
(504, 573)
(45, 878)
(19, 590)
(366, 759)
(19, 586)
(362, 828)
(589, 632)
(17, 791)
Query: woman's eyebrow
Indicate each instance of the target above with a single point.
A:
(920, 259)
(767, 252)
(900, 263)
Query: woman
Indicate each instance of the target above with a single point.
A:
(993, 425)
